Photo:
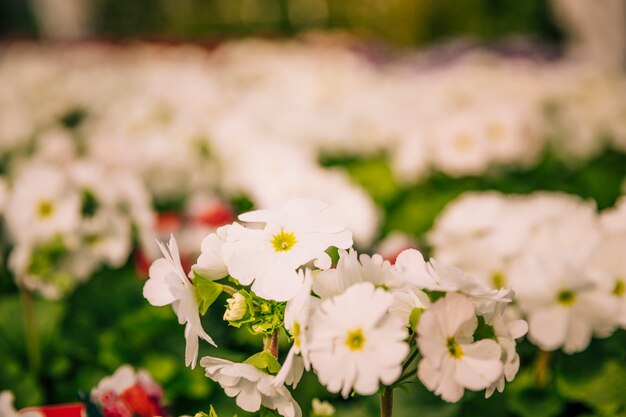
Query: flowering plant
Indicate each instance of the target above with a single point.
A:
(362, 326)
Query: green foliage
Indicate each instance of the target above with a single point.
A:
(264, 361)
(595, 377)
(528, 399)
(206, 292)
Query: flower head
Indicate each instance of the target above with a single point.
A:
(298, 233)
(168, 284)
(354, 344)
(452, 361)
(251, 387)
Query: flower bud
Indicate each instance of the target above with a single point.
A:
(237, 307)
(322, 408)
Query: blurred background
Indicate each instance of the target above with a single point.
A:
(137, 119)
(396, 22)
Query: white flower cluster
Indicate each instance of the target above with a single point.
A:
(66, 221)
(564, 260)
(360, 325)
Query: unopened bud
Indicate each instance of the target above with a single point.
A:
(236, 308)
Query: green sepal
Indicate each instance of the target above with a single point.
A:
(414, 317)
(484, 331)
(206, 292)
(264, 361)
(212, 413)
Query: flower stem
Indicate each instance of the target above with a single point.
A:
(30, 329)
(228, 289)
(273, 344)
(542, 368)
(386, 402)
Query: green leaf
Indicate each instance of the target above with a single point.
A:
(206, 292)
(528, 400)
(414, 317)
(264, 361)
(601, 388)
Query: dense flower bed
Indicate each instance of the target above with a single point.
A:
(104, 147)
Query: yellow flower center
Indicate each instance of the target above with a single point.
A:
(45, 209)
(296, 333)
(355, 340)
(566, 298)
(498, 280)
(463, 142)
(454, 348)
(620, 288)
(283, 241)
(495, 131)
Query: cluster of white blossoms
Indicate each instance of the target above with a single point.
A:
(65, 222)
(564, 260)
(359, 325)
(187, 123)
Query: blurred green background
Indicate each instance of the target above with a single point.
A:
(399, 22)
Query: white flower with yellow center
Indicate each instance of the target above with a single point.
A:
(168, 284)
(41, 204)
(354, 344)
(298, 233)
(452, 361)
(251, 387)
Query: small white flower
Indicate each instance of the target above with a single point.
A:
(251, 387)
(210, 263)
(452, 361)
(353, 268)
(293, 235)
(411, 268)
(354, 344)
(41, 205)
(507, 331)
(168, 284)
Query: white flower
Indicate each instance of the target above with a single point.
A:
(506, 331)
(7, 409)
(296, 321)
(351, 269)
(294, 235)
(566, 309)
(168, 284)
(41, 205)
(452, 361)
(411, 268)
(210, 263)
(354, 344)
(251, 387)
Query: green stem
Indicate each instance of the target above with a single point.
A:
(386, 402)
(230, 290)
(410, 359)
(30, 330)
(406, 377)
(542, 368)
